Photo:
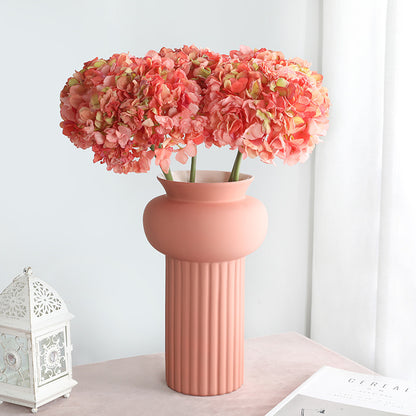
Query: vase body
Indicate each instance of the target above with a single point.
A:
(205, 229)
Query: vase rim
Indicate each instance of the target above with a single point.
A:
(210, 185)
(206, 177)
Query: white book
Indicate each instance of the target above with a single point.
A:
(334, 392)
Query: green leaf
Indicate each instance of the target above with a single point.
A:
(205, 72)
(99, 63)
(73, 81)
(282, 83)
(255, 90)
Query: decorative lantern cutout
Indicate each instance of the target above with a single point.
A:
(35, 343)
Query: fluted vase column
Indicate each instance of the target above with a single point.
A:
(205, 229)
(204, 326)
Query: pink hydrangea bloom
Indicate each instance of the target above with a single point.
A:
(266, 106)
(129, 110)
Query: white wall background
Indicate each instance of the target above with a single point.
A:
(78, 225)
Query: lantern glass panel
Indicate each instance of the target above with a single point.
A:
(52, 356)
(14, 360)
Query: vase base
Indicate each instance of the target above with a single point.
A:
(203, 394)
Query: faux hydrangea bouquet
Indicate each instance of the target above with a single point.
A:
(131, 110)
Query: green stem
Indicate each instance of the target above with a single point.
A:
(168, 175)
(193, 169)
(235, 173)
(230, 179)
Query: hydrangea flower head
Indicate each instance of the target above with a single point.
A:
(130, 110)
(266, 106)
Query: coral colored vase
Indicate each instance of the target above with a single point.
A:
(205, 229)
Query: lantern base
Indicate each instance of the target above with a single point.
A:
(43, 395)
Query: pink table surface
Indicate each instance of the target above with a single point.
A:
(274, 366)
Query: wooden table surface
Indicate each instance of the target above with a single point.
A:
(274, 366)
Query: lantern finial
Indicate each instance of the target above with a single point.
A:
(28, 270)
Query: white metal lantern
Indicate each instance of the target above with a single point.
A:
(35, 343)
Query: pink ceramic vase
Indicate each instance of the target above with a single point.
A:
(205, 229)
